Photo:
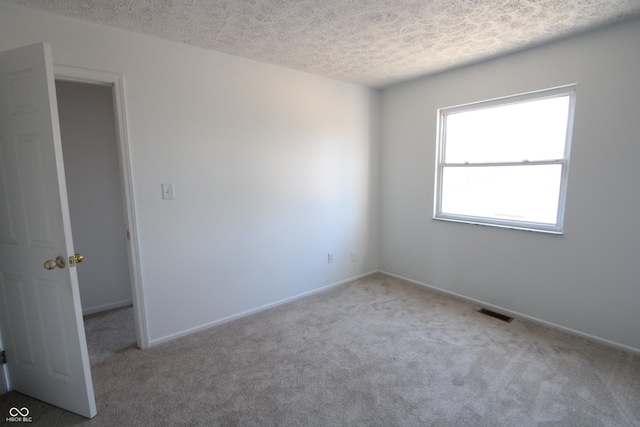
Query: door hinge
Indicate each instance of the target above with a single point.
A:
(3, 358)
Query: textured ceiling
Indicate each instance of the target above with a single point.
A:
(369, 42)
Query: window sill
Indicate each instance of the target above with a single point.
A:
(534, 227)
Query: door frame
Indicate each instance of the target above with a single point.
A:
(116, 82)
(4, 384)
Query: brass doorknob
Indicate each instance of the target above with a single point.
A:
(53, 263)
(74, 259)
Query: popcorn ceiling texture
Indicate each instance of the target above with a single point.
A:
(373, 43)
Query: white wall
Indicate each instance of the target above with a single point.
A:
(588, 279)
(89, 144)
(273, 169)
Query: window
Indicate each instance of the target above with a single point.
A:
(504, 162)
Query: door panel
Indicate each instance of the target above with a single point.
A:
(32, 185)
(7, 236)
(40, 313)
(13, 293)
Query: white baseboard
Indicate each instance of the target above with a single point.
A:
(105, 307)
(253, 311)
(532, 319)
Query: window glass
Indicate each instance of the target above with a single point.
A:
(533, 130)
(520, 193)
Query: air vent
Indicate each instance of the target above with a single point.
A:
(496, 315)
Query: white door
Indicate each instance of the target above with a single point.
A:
(40, 312)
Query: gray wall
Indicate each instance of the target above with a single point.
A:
(273, 169)
(588, 279)
(91, 166)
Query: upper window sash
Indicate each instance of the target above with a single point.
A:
(558, 92)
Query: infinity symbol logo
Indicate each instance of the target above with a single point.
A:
(14, 412)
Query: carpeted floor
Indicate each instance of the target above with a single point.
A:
(374, 352)
(109, 333)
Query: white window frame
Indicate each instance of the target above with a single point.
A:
(557, 228)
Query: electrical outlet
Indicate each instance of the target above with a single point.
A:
(329, 258)
(353, 257)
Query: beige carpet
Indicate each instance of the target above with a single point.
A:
(109, 332)
(374, 352)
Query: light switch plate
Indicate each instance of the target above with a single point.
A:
(168, 191)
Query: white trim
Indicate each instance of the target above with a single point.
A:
(523, 163)
(255, 310)
(516, 314)
(524, 226)
(82, 75)
(105, 307)
(513, 99)
(4, 377)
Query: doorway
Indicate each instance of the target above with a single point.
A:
(89, 146)
(99, 186)
(96, 208)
